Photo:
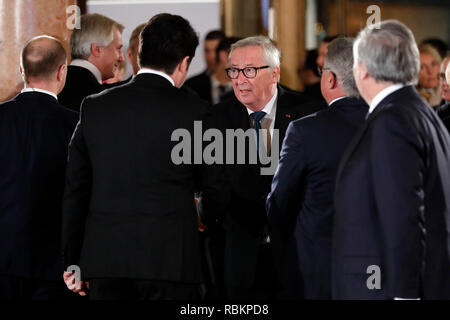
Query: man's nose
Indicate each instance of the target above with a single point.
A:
(241, 78)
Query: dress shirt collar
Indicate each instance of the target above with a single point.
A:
(87, 65)
(159, 73)
(383, 94)
(39, 90)
(269, 107)
(335, 100)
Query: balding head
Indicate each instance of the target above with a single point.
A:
(41, 58)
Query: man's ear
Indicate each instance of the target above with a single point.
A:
(61, 73)
(332, 79)
(276, 74)
(184, 65)
(130, 55)
(22, 73)
(361, 71)
(95, 50)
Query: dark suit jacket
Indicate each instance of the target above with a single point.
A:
(80, 83)
(246, 220)
(201, 84)
(300, 206)
(444, 113)
(128, 210)
(392, 204)
(34, 134)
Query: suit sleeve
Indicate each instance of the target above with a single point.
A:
(284, 202)
(398, 167)
(211, 180)
(76, 195)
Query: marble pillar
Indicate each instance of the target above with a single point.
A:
(21, 20)
(289, 34)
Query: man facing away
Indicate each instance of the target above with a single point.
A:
(96, 50)
(392, 187)
(35, 131)
(129, 219)
(300, 206)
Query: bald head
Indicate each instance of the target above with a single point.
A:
(41, 58)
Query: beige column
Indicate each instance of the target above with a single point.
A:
(241, 18)
(289, 33)
(21, 20)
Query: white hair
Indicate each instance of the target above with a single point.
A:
(389, 53)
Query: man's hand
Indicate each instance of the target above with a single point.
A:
(75, 285)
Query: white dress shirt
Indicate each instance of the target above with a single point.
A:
(383, 94)
(159, 73)
(87, 65)
(335, 100)
(271, 110)
(39, 90)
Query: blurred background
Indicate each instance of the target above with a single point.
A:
(296, 25)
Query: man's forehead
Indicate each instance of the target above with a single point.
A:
(248, 55)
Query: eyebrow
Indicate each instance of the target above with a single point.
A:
(247, 65)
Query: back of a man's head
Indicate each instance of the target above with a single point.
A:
(94, 28)
(41, 57)
(389, 53)
(165, 41)
(339, 59)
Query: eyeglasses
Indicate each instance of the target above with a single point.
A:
(248, 72)
(320, 70)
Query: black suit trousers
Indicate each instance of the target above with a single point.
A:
(140, 289)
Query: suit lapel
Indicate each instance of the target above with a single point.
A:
(282, 116)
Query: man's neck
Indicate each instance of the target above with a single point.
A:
(376, 88)
(42, 86)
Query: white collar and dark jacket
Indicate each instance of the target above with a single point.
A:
(395, 172)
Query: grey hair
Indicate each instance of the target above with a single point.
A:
(94, 28)
(339, 59)
(272, 55)
(389, 53)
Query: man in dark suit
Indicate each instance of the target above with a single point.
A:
(35, 131)
(392, 188)
(96, 50)
(129, 219)
(261, 104)
(300, 206)
(202, 83)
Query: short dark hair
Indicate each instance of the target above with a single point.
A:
(41, 61)
(165, 41)
(225, 45)
(215, 34)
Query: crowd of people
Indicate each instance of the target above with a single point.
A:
(93, 205)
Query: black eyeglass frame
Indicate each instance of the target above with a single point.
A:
(243, 71)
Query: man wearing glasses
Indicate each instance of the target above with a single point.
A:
(260, 104)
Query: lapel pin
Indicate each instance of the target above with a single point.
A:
(288, 115)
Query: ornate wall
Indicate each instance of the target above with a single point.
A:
(21, 20)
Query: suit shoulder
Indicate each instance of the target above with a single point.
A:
(198, 77)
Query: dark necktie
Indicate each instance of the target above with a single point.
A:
(257, 117)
